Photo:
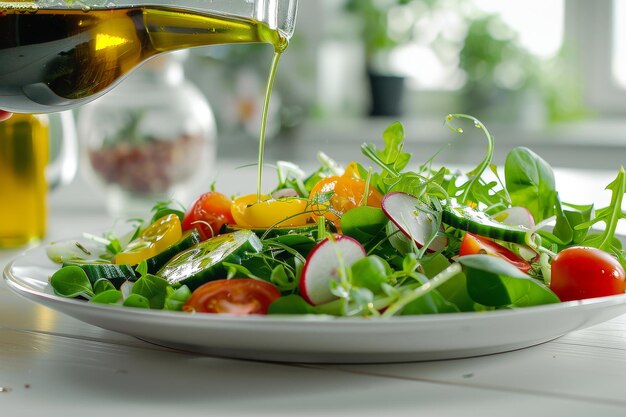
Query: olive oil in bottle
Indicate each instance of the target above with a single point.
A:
(59, 58)
(23, 188)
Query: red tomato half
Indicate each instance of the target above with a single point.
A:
(239, 296)
(474, 244)
(208, 214)
(581, 272)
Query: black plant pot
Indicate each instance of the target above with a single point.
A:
(386, 93)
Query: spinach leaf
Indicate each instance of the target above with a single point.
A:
(291, 304)
(111, 296)
(137, 301)
(455, 289)
(176, 298)
(370, 272)
(153, 289)
(494, 282)
(431, 303)
(102, 285)
(71, 281)
(530, 182)
(363, 223)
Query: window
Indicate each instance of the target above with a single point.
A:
(430, 60)
(582, 43)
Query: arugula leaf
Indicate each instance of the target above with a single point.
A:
(283, 278)
(572, 222)
(392, 159)
(393, 154)
(610, 215)
(163, 208)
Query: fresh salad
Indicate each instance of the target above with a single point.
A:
(366, 240)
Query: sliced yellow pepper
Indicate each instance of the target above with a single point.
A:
(157, 237)
(283, 212)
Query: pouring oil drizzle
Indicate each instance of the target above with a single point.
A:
(266, 105)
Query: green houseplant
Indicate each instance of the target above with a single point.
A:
(380, 36)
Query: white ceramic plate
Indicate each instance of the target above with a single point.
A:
(317, 338)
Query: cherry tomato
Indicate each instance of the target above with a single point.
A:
(474, 244)
(582, 272)
(233, 296)
(208, 214)
(352, 170)
(4, 115)
(283, 212)
(157, 237)
(345, 192)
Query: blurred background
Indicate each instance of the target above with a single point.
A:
(546, 71)
(547, 74)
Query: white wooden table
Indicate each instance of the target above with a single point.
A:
(54, 365)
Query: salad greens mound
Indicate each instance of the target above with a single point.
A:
(393, 238)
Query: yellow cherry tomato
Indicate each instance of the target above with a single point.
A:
(335, 195)
(157, 237)
(352, 170)
(284, 212)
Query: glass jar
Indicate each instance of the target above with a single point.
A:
(150, 139)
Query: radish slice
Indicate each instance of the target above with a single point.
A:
(516, 216)
(417, 224)
(322, 266)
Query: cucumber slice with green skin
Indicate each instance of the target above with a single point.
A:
(114, 273)
(275, 231)
(468, 219)
(204, 261)
(190, 238)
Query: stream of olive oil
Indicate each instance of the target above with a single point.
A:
(266, 105)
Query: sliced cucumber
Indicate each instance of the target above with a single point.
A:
(275, 231)
(470, 220)
(190, 238)
(115, 274)
(204, 261)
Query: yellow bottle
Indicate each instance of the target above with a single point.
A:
(24, 143)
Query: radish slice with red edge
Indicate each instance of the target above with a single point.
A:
(516, 216)
(323, 264)
(410, 215)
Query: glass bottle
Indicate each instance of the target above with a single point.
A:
(151, 139)
(29, 168)
(59, 54)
